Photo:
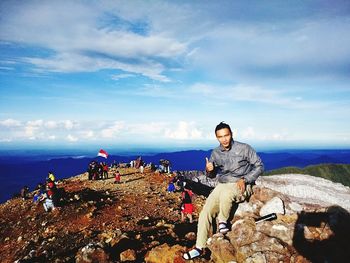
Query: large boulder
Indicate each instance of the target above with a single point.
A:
(275, 205)
(221, 249)
(309, 226)
(165, 254)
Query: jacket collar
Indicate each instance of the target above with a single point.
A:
(231, 145)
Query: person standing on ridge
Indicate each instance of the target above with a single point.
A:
(236, 166)
(24, 192)
(105, 170)
(117, 177)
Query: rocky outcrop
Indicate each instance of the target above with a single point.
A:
(165, 254)
(305, 230)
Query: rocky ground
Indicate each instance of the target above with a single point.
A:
(137, 214)
(139, 221)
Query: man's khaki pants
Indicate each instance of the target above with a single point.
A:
(218, 203)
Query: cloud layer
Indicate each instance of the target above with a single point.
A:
(121, 132)
(278, 41)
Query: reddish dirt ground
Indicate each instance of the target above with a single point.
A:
(136, 214)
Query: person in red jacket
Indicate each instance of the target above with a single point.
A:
(117, 177)
(187, 207)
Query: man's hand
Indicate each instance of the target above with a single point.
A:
(209, 166)
(241, 185)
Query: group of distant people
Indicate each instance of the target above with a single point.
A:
(163, 167)
(47, 193)
(97, 170)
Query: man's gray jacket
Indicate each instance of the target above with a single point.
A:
(240, 161)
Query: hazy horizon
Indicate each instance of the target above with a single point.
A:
(131, 151)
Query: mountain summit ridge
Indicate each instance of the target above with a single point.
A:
(139, 221)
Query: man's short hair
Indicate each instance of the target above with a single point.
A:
(223, 125)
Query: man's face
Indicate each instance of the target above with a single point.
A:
(224, 137)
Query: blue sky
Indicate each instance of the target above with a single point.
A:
(151, 73)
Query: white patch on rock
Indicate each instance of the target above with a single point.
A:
(295, 207)
(308, 189)
(275, 205)
(280, 228)
(209, 241)
(244, 208)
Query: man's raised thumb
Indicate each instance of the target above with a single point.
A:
(206, 160)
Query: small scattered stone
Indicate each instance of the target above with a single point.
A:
(128, 255)
(154, 243)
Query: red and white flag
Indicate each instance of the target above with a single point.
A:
(102, 153)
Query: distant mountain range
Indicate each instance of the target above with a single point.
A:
(17, 171)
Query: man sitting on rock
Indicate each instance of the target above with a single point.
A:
(235, 165)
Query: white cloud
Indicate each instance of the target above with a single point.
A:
(68, 124)
(249, 51)
(31, 129)
(51, 124)
(88, 134)
(5, 140)
(228, 43)
(52, 137)
(157, 91)
(148, 129)
(172, 132)
(220, 95)
(72, 138)
(281, 97)
(35, 123)
(6, 68)
(71, 62)
(278, 137)
(184, 131)
(251, 134)
(113, 131)
(248, 133)
(83, 39)
(122, 76)
(10, 123)
(205, 89)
